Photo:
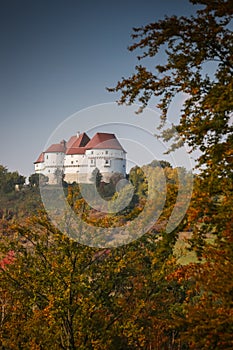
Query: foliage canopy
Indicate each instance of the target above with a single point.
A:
(198, 62)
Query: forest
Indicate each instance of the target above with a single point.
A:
(162, 290)
(157, 292)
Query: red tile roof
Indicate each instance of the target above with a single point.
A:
(40, 158)
(57, 147)
(104, 140)
(76, 145)
(71, 141)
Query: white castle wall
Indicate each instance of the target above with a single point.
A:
(52, 161)
(108, 161)
(39, 168)
(74, 166)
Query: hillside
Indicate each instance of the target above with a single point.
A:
(20, 204)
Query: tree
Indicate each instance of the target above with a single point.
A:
(58, 175)
(59, 294)
(8, 180)
(160, 163)
(13, 179)
(190, 46)
(3, 175)
(198, 63)
(96, 177)
(36, 179)
(138, 179)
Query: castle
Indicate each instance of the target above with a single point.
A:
(77, 158)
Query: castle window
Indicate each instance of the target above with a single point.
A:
(72, 162)
(107, 162)
(92, 162)
(106, 152)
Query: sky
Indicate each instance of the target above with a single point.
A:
(57, 58)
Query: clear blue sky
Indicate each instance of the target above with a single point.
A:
(57, 58)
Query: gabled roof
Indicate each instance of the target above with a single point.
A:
(76, 145)
(79, 144)
(40, 158)
(71, 141)
(104, 140)
(57, 147)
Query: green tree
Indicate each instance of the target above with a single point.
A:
(138, 179)
(8, 180)
(160, 163)
(58, 175)
(13, 179)
(36, 179)
(3, 176)
(96, 177)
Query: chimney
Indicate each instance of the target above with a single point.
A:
(78, 134)
(63, 143)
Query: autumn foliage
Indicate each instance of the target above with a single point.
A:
(56, 293)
